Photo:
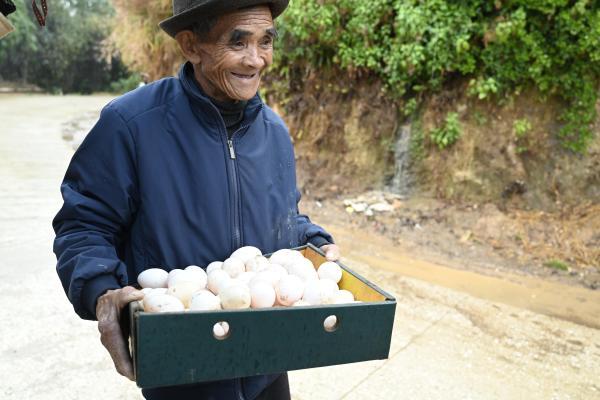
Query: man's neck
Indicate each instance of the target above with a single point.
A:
(232, 111)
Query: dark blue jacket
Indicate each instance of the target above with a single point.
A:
(156, 183)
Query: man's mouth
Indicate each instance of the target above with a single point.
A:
(244, 76)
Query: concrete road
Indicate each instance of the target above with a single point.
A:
(446, 344)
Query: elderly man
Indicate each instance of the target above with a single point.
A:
(184, 171)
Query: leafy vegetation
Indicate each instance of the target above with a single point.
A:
(448, 134)
(415, 47)
(126, 84)
(557, 264)
(69, 55)
(521, 128)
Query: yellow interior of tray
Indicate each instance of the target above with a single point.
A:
(358, 288)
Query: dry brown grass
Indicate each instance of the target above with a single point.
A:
(143, 45)
(571, 235)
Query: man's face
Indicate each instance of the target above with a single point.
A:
(235, 53)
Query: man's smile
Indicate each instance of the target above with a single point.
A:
(244, 76)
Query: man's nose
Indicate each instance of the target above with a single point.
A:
(253, 59)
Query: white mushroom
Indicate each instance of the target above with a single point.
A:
(304, 269)
(153, 278)
(330, 270)
(216, 279)
(234, 266)
(214, 265)
(329, 288)
(235, 296)
(185, 283)
(246, 277)
(151, 292)
(285, 257)
(221, 329)
(257, 264)
(330, 323)
(172, 274)
(246, 253)
(289, 290)
(278, 271)
(205, 301)
(342, 297)
(262, 294)
(268, 276)
(163, 303)
(201, 275)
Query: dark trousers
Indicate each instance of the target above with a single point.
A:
(278, 390)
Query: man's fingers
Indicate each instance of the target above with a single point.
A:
(332, 256)
(112, 338)
(332, 252)
(129, 294)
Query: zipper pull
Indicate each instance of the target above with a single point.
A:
(231, 151)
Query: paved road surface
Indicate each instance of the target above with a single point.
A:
(446, 344)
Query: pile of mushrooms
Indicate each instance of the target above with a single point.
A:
(247, 279)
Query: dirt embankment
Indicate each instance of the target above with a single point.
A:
(507, 151)
(343, 133)
(506, 195)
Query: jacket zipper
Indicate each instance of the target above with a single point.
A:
(233, 181)
(236, 196)
(237, 204)
(231, 150)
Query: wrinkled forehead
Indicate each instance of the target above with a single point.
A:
(255, 20)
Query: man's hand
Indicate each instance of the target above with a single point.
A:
(108, 313)
(332, 252)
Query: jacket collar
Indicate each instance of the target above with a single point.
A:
(201, 104)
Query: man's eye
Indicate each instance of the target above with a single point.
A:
(267, 41)
(238, 45)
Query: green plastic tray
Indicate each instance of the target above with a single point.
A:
(179, 348)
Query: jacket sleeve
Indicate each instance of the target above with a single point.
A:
(100, 200)
(309, 232)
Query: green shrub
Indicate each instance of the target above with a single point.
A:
(556, 264)
(126, 84)
(447, 134)
(416, 46)
(521, 128)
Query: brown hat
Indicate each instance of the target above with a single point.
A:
(186, 12)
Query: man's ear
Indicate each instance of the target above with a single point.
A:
(188, 43)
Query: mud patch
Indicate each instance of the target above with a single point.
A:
(483, 266)
(482, 236)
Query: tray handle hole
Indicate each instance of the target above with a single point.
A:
(221, 330)
(331, 323)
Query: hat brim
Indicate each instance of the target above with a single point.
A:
(173, 25)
